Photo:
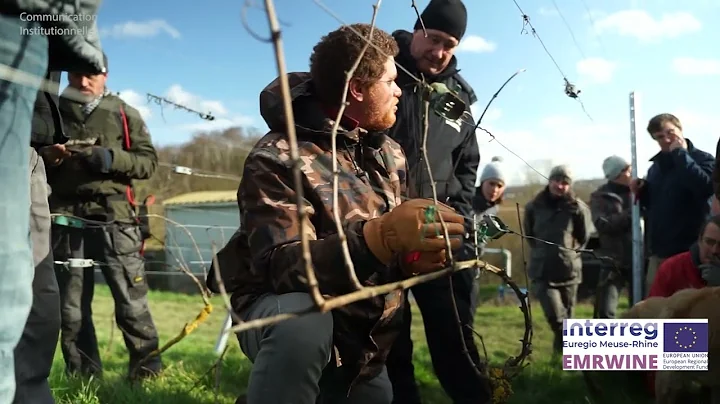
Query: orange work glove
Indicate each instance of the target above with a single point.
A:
(416, 263)
(404, 230)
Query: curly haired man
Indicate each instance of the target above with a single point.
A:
(336, 357)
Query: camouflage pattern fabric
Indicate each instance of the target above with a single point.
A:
(265, 254)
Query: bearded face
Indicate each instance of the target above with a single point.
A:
(381, 107)
(379, 104)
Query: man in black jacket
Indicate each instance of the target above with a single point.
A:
(454, 158)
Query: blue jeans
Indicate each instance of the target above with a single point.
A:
(29, 54)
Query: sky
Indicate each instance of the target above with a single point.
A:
(204, 58)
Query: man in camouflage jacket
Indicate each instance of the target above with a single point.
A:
(91, 177)
(336, 357)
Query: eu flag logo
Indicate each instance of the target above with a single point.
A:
(685, 337)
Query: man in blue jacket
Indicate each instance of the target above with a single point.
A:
(674, 195)
(453, 154)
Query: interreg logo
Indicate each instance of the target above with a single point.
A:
(635, 344)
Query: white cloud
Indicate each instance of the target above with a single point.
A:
(583, 145)
(696, 67)
(698, 126)
(476, 44)
(646, 28)
(140, 29)
(180, 96)
(492, 115)
(596, 70)
(548, 12)
(555, 139)
(137, 101)
(223, 117)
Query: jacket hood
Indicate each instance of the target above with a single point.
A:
(612, 188)
(480, 203)
(308, 113)
(403, 39)
(271, 101)
(545, 197)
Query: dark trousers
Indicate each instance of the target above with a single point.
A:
(116, 251)
(293, 360)
(34, 352)
(610, 285)
(36, 349)
(452, 368)
(558, 304)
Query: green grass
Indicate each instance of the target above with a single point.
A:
(188, 378)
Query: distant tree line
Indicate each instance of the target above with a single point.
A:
(217, 152)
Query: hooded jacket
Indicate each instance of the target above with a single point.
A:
(265, 254)
(81, 191)
(566, 222)
(452, 146)
(611, 205)
(675, 197)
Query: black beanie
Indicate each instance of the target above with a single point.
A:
(448, 16)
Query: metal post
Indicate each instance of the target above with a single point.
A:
(222, 338)
(637, 270)
(507, 257)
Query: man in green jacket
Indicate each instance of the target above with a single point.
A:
(91, 177)
(556, 215)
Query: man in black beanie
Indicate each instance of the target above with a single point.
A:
(454, 158)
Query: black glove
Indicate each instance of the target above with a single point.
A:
(99, 159)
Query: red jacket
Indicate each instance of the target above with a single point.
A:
(675, 273)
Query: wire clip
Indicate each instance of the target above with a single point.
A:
(68, 221)
(183, 170)
(446, 102)
(78, 263)
(489, 227)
